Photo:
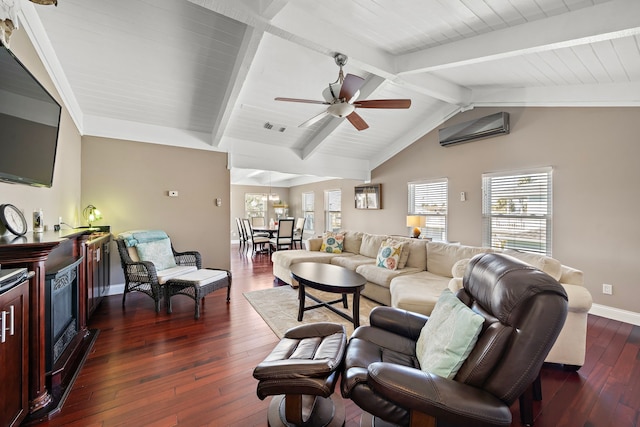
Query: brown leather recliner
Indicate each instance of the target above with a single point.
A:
(524, 311)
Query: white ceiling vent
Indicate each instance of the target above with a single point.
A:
(275, 127)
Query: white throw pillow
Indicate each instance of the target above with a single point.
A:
(448, 337)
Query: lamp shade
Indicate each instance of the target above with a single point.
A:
(415, 221)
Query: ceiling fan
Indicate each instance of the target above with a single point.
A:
(341, 97)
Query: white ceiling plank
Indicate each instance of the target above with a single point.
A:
(617, 18)
(597, 95)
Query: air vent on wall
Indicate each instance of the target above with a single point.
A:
(484, 127)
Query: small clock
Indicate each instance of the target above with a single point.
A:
(12, 218)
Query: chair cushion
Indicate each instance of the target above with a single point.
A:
(448, 337)
(202, 277)
(170, 273)
(389, 254)
(332, 242)
(158, 252)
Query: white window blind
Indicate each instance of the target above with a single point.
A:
(334, 208)
(308, 209)
(430, 199)
(516, 210)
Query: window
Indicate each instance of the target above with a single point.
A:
(308, 201)
(333, 204)
(429, 199)
(255, 205)
(516, 211)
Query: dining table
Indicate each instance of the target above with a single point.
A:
(272, 231)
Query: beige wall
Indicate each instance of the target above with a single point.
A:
(128, 182)
(63, 198)
(594, 154)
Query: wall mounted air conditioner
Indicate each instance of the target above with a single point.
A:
(484, 127)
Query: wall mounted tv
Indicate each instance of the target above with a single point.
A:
(29, 122)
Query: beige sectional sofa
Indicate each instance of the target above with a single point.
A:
(426, 268)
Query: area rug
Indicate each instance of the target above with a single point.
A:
(279, 309)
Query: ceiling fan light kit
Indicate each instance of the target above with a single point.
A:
(341, 98)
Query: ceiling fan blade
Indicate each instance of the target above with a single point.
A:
(383, 103)
(350, 86)
(357, 121)
(314, 119)
(306, 101)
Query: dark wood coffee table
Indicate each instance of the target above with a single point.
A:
(328, 278)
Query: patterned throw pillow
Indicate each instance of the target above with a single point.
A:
(389, 254)
(332, 242)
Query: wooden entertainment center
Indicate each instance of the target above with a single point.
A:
(70, 275)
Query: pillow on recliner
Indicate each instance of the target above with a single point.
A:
(158, 252)
(448, 337)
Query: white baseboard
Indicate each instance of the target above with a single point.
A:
(615, 314)
(116, 289)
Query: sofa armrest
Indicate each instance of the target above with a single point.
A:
(571, 276)
(314, 244)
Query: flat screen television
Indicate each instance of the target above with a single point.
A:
(29, 123)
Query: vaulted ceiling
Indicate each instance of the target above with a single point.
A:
(204, 73)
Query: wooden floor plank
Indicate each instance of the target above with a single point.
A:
(149, 369)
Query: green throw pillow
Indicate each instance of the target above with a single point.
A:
(448, 337)
(158, 252)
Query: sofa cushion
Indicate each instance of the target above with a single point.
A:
(442, 256)
(352, 241)
(382, 276)
(370, 244)
(389, 254)
(448, 337)
(417, 292)
(417, 257)
(332, 242)
(287, 258)
(547, 264)
(352, 262)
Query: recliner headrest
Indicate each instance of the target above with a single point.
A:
(500, 284)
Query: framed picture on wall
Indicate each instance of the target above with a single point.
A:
(368, 196)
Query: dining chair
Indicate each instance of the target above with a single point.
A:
(256, 240)
(284, 238)
(257, 221)
(242, 235)
(298, 232)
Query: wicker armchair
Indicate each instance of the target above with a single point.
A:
(142, 276)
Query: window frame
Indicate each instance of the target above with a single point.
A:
(262, 198)
(542, 211)
(434, 219)
(308, 211)
(329, 213)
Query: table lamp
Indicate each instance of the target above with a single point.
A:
(415, 221)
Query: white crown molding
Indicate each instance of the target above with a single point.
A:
(615, 314)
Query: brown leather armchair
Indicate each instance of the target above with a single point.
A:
(524, 310)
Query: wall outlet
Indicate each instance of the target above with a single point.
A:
(607, 289)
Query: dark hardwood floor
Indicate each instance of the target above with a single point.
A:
(149, 369)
